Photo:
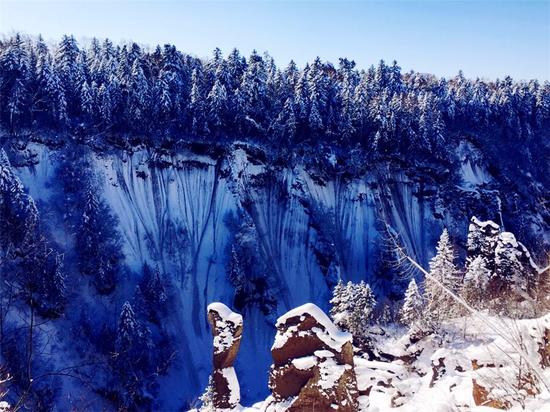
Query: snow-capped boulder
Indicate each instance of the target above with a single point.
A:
(312, 364)
(227, 329)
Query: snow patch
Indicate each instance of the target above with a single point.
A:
(305, 363)
(233, 384)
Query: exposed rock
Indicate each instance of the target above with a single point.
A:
(513, 272)
(438, 369)
(312, 364)
(544, 348)
(227, 329)
(482, 397)
(482, 239)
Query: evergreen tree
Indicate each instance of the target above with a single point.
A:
(50, 94)
(18, 212)
(444, 276)
(412, 310)
(352, 308)
(217, 106)
(132, 360)
(197, 108)
(14, 81)
(251, 96)
(86, 99)
(153, 291)
(360, 105)
(301, 99)
(105, 105)
(26, 258)
(98, 242)
(346, 96)
(476, 280)
(315, 122)
(70, 73)
(139, 96)
(207, 402)
(285, 126)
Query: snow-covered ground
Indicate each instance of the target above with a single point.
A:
(438, 373)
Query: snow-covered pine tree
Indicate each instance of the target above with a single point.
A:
(132, 357)
(87, 103)
(153, 291)
(352, 308)
(139, 96)
(364, 304)
(217, 106)
(14, 81)
(476, 280)
(67, 65)
(197, 108)
(301, 99)
(314, 121)
(346, 98)
(164, 96)
(207, 398)
(412, 310)
(284, 127)
(439, 304)
(236, 65)
(52, 289)
(338, 303)
(251, 96)
(49, 98)
(128, 330)
(98, 242)
(105, 105)
(18, 212)
(360, 105)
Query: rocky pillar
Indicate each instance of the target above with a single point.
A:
(227, 328)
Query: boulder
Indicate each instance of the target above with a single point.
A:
(227, 329)
(312, 364)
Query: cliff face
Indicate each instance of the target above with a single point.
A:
(176, 210)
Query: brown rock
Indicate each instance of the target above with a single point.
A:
(312, 364)
(227, 329)
(482, 398)
(438, 369)
(544, 349)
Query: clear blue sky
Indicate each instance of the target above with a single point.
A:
(487, 39)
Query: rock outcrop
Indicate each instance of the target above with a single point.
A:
(227, 329)
(312, 364)
(513, 272)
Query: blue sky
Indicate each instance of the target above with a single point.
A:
(488, 39)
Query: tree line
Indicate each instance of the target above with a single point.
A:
(158, 96)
